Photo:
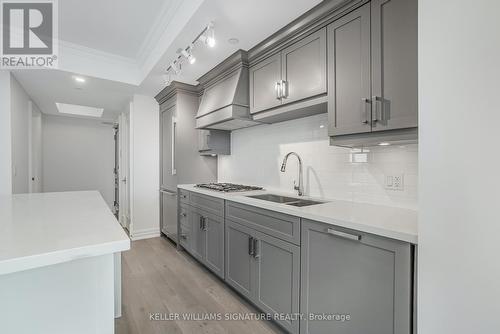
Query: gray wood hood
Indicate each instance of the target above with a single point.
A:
(225, 101)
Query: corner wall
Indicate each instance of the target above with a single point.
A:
(459, 190)
(144, 167)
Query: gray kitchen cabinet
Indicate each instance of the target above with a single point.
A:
(197, 235)
(304, 68)
(266, 270)
(239, 260)
(277, 276)
(264, 84)
(184, 227)
(394, 64)
(349, 73)
(352, 273)
(296, 73)
(214, 142)
(214, 243)
(372, 66)
(207, 239)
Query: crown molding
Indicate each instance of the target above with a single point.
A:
(87, 61)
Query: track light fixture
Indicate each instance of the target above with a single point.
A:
(188, 53)
(207, 37)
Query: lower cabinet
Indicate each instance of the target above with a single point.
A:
(354, 274)
(207, 239)
(266, 270)
(184, 231)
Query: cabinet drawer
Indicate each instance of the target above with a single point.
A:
(184, 196)
(210, 204)
(276, 224)
(183, 215)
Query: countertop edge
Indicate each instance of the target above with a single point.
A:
(52, 258)
(380, 231)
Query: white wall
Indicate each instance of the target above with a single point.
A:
(459, 220)
(78, 154)
(144, 167)
(20, 120)
(5, 135)
(257, 154)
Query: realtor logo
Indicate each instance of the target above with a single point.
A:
(29, 34)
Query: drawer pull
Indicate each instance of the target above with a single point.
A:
(256, 250)
(251, 246)
(345, 235)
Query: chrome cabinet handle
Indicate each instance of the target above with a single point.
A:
(256, 248)
(277, 89)
(284, 89)
(345, 235)
(183, 214)
(173, 145)
(251, 246)
(377, 100)
(205, 223)
(365, 103)
(201, 223)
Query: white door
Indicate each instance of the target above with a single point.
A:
(35, 149)
(123, 170)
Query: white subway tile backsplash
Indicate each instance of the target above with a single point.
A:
(257, 153)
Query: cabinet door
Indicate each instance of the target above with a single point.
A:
(263, 79)
(394, 64)
(304, 68)
(349, 108)
(277, 278)
(197, 235)
(368, 279)
(214, 251)
(239, 262)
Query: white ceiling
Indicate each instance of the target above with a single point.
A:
(114, 26)
(123, 47)
(47, 87)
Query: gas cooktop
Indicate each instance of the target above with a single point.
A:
(227, 187)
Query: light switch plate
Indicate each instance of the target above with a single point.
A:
(395, 182)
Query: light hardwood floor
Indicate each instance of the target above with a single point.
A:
(159, 279)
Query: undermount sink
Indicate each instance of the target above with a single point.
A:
(285, 200)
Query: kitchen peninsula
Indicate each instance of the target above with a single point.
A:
(60, 264)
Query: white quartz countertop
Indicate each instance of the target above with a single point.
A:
(385, 221)
(43, 229)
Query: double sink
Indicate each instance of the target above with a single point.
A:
(285, 200)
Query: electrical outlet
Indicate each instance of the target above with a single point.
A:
(394, 182)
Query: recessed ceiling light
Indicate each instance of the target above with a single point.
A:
(75, 109)
(233, 41)
(384, 144)
(79, 79)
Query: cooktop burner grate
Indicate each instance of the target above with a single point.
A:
(227, 187)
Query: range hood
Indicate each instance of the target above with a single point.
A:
(225, 101)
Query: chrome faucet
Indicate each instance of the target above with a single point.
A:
(300, 186)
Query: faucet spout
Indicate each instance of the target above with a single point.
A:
(300, 186)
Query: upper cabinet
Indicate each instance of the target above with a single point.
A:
(304, 68)
(295, 74)
(394, 64)
(349, 73)
(372, 67)
(265, 78)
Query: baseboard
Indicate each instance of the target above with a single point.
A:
(145, 234)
